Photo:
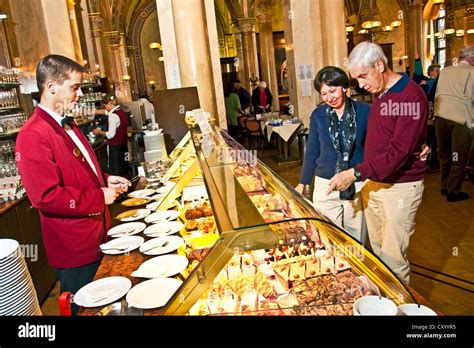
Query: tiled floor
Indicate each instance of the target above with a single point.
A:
(443, 242)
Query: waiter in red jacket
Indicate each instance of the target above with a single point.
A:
(117, 136)
(62, 177)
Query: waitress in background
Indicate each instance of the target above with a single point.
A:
(116, 135)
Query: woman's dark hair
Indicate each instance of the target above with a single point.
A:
(57, 68)
(229, 88)
(331, 76)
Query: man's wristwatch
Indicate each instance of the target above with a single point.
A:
(357, 174)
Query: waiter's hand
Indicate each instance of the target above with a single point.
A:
(119, 183)
(341, 181)
(96, 131)
(110, 194)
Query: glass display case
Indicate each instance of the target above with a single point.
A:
(276, 254)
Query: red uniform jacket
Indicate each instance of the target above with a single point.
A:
(61, 184)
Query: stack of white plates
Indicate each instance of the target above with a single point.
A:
(17, 292)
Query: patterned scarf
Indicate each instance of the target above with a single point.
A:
(344, 149)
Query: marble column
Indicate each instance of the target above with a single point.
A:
(118, 62)
(415, 33)
(91, 54)
(56, 16)
(267, 50)
(197, 52)
(74, 30)
(304, 46)
(96, 24)
(249, 64)
(334, 29)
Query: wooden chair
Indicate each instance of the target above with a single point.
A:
(254, 132)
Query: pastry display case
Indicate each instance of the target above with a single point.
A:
(274, 253)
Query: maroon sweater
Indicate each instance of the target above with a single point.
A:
(396, 129)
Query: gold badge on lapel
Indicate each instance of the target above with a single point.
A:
(76, 152)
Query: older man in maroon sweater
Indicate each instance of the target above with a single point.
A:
(393, 173)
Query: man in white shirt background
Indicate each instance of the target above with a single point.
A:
(149, 108)
(117, 137)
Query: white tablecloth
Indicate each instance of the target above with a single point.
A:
(285, 132)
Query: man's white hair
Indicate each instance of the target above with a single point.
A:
(466, 52)
(366, 54)
(263, 84)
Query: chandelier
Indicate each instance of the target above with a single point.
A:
(369, 21)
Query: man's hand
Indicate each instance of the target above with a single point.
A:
(119, 183)
(341, 181)
(425, 151)
(299, 188)
(96, 131)
(110, 194)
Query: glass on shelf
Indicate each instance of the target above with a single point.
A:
(9, 75)
(10, 181)
(9, 99)
(12, 123)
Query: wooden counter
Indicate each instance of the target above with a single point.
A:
(6, 206)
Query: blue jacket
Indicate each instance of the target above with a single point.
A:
(320, 157)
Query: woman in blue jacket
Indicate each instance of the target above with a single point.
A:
(336, 142)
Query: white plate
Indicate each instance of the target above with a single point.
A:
(119, 230)
(128, 242)
(162, 215)
(161, 266)
(141, 193)
(413, 309)
(7, 247)
(153, 293)
(141, 214)
(374, 305)
(163, 228)
(153, 206)
(110, 289)
(159, 197)
(166, 187)
(174, 243)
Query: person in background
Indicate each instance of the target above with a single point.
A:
(233, 109)
(394, 174)
(117, 136)
(454, 123)
(336, 142)
(62, 177)
(262, 98)
(428, 84)
(149, 108)
(244, 96)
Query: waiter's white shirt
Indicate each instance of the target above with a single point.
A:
(114, 123)
(57, 117)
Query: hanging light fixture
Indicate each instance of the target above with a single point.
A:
(370, 20)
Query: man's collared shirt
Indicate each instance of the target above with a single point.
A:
(57, 117)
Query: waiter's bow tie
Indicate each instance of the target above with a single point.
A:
(67, 120)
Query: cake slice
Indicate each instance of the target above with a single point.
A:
(282, 273)
(341, 264)
(297, 270)
(327, 265)
(312, 268)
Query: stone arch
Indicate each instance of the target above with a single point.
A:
(141, 13)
